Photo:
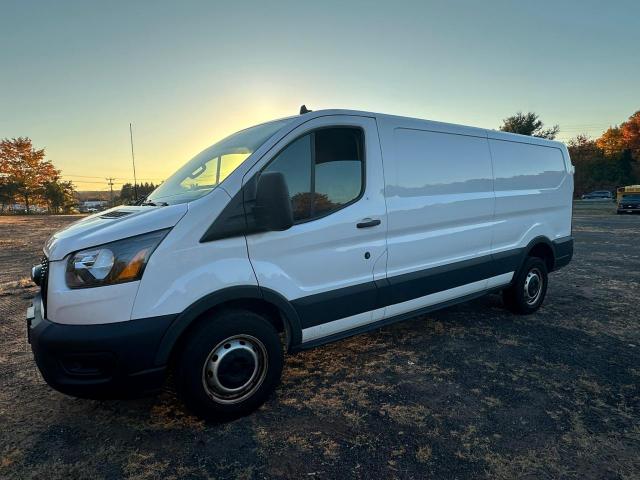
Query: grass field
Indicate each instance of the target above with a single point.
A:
(467, 392)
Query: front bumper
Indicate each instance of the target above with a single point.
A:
(114, 360)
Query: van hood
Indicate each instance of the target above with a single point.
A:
(111, 225)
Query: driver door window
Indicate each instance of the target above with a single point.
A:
(324, 171)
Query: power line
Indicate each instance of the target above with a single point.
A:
(81, 176)
(98, 176)
(95, 181)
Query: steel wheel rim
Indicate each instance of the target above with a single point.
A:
(234, 369)
(533, 285)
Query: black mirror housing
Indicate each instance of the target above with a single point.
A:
(272, 208)
(263, 204)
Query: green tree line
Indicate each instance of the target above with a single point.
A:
(128, 192)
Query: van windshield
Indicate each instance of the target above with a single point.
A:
(210, 167)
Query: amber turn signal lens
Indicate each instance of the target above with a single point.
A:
(132, 269)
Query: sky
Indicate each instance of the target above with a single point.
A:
(74, 74)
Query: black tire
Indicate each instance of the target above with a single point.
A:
(234, 334)
(525, 301)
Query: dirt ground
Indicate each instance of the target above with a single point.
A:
(21, 241)
(467, 392)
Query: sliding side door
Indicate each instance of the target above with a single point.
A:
(440, 200)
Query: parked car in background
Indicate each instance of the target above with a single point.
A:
(598, 195)
(629, 203)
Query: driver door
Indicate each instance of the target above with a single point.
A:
(327, 263)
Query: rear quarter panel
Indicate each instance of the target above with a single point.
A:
(533, 188)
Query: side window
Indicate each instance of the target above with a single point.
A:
(324, 170)
(338, 168)
(295, 163)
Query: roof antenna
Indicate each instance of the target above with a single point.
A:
(304, 109)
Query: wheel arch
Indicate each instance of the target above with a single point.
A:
(543, 248)
(277, 309)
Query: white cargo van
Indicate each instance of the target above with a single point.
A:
(291, 234)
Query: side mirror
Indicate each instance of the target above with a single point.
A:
(272, 209)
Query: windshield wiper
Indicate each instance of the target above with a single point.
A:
(154, 204)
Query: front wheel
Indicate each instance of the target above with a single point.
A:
(229, 365)
(529, 288)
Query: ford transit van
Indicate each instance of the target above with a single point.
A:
(289, 235)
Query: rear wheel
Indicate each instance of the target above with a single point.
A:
(529, 287)
(229, 365)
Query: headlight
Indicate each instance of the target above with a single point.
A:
(111, 263)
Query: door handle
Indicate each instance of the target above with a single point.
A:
(368, 222)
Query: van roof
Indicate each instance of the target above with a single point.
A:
(455, 128)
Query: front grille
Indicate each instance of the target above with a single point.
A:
(44, 280)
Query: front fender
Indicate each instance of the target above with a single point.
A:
(185, 319)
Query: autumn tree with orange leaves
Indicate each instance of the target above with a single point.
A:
(26, 175)
(611, 141)
(631, 134)
(610, 161)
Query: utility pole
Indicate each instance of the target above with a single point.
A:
(110, 183)
(133, 160)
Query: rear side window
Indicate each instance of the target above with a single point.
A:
(523, 166)
(324, 171)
